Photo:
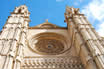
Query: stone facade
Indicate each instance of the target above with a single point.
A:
(48, 46)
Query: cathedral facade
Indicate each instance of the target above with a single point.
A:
(47, 46)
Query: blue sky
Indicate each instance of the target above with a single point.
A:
(53, 10)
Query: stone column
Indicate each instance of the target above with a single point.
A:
(19, 55)
(95, 40)
(93, 44)
(10, 37)
(11, 51)
(81, 47)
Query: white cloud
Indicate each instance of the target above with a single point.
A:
(101, 29)
(95, 11)
(59, 0)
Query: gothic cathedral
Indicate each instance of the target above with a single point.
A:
(47, 46)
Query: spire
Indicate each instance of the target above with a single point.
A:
(21, 9)
(72, 10)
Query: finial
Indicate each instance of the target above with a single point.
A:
(46, 20)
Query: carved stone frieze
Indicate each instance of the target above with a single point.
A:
(53, 63)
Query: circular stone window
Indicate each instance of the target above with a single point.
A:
(48, 44)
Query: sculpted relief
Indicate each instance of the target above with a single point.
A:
(48, 44)
(51, 46)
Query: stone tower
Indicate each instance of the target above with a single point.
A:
(48, 46)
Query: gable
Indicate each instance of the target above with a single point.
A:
(47, 25)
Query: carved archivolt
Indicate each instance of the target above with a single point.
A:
(48, 44)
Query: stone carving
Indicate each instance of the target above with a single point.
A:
(53, 63)
(71, 11)
(48, 43)
(50, 46)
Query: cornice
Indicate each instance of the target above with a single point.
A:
(47, 28)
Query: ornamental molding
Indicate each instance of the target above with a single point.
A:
(52, 62)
